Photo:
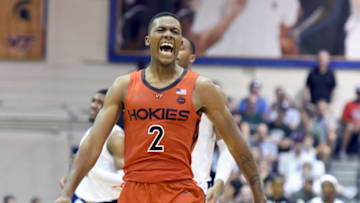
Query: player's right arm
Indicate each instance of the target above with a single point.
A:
(91, 147)
(212, 101)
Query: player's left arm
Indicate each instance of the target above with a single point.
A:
(212, 101)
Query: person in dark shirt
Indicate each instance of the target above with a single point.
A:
(306, 193)
(321, 81)
(279, 131)
(250, 114)
(321, 26)
(278, 195)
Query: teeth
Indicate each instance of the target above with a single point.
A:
(167, 44)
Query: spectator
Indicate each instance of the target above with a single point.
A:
(321, 81)
(296, 180)
(279, 131)
(292, 161)
(306, 193)
(250, 115)
(9, 199)
(278, 194)
(351, 119)
(326, 125)
(292, 116)
(268, 148)
(318, 166)
(280, 97)
(261, 105)
(329, 186)
(35, 200)
(312, 130)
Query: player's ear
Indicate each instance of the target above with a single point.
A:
(192, 58)
(147, 40)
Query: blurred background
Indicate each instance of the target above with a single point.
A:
(267, 56)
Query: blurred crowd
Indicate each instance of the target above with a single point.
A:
(12, 199)
(293, 144)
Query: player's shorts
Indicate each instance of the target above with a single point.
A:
(185, 191)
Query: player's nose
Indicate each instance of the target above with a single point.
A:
(168, 34)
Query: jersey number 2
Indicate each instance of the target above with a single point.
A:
(155, 147)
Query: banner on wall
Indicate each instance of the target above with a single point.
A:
(235, 30)
(22, 29)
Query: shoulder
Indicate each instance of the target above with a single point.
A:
(205, 89)
(204, 85)
(119, 88)
(313, 71)
(203, 82)
(122, 81)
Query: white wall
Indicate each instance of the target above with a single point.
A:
(35, 92)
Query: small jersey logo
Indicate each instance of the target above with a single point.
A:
(181, 91)
(138, 96)
(158, 96)
(181, 100)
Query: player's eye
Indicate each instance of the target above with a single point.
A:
(175, 31)
(160, 29)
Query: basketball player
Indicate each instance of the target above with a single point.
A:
(97, 186)
(163, 105)
(201, 164)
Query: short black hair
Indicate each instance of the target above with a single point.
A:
(34, 200)
(102, 91)
(161, 14)
(276, 176)
(7, 198)
(193, 48)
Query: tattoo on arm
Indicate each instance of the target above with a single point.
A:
(255, 180)
(247, 162)
(249, 166)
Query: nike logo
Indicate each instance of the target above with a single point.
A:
(138, 96)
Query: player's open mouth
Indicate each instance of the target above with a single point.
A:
(166, 48)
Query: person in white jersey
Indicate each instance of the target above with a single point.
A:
(352, 27)
(100, 185)
(202, 155)
(257, 32)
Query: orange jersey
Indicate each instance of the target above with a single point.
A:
(161, 129)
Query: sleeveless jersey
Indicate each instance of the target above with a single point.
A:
(161, 129)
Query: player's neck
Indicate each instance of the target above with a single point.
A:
(163, 72)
